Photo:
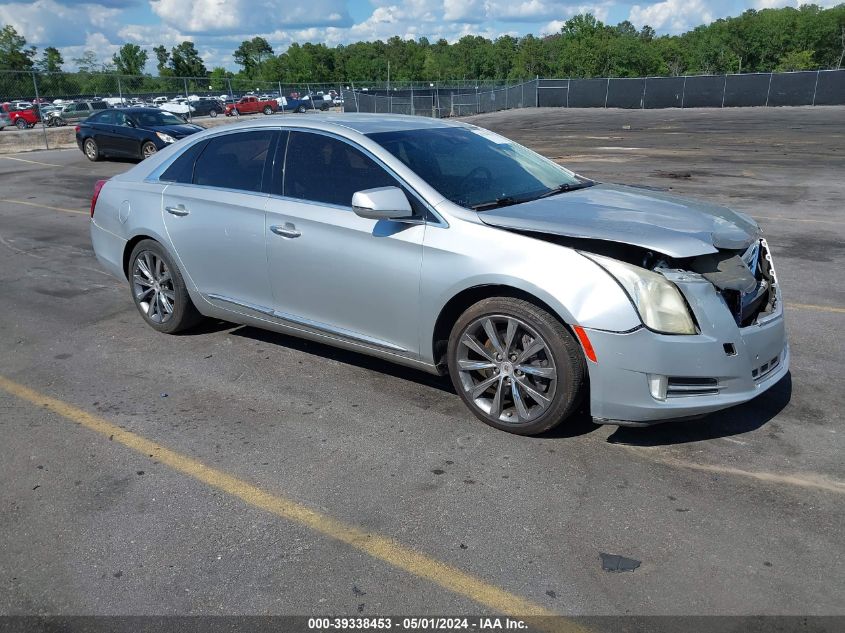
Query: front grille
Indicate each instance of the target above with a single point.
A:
(681, 386)
(759, 373)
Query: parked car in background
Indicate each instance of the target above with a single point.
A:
(21, 119)
(206, 106)
(178, 106)
(22, 105)
(73, 112)
(449, 248)
(317, 101)
(250, 104)
(130, 132)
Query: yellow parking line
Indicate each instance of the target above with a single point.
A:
(807, 306)
(34, 162)
(380, 547)
(771, 217)
(44, 206)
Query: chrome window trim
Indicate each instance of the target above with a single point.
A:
(315, 325)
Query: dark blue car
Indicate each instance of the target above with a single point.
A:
(130, 132)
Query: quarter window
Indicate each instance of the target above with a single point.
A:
(234, 161)
(323, 169)
(182, 169)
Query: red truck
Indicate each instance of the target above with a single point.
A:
(22, 119)
(252, 105)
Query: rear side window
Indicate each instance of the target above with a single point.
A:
(234, 161)
(182, 169)
(323, 169)
(102, 117)
(100, 105)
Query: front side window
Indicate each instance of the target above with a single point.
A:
(473, 167)
(234, 161)
(323, 169)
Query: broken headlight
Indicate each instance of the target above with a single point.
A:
(658, 300)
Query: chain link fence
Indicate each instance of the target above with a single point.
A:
(439, 99)
(117, 89)
(812, 88)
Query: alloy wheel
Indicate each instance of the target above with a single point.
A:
(152, 287)
(148, 149)
(90, 149)
(506, 369)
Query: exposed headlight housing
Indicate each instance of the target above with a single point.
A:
(657, 300)
(165, 137)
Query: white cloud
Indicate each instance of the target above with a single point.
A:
(50, 23)
(247, 16)
(673, 16)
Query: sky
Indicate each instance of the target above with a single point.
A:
(217, 27)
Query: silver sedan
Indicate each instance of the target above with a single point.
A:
(449, 248)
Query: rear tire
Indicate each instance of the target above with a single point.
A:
(526, 381)
(158, 289)
(212, 113)
(21, 124)
(301, 109)
(92, 152)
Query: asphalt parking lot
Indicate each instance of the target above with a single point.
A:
(236, 471)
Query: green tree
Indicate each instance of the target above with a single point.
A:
(162, 59)
(185, 61)
(51, 60)
(130, 60)
(217, 78)
(87, 62)
(14, 53)
(796, 60)
(251, 54)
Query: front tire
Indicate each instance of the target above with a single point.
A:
(158, 289)
(301, 109)
(21, 124)
(516, 366)
(92, 152)
(268, 110)
(212, 114)
(148, 148)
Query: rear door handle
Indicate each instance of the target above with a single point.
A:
(179, 210)
(288, 230)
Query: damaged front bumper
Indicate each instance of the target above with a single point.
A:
(644, 377)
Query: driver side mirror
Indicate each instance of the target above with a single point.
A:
(382, 203)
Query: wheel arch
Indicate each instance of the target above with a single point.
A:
(467, 297)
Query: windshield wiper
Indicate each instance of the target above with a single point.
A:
(566, 187)
(495, 204)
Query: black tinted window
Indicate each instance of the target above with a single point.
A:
(100, 105)
(234, 161)
(323, 169)
(182, 169)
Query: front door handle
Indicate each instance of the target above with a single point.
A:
(288, 230)
(179, 210)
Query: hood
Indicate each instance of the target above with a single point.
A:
(674, 226)
(177, 131)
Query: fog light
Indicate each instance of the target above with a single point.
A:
(657, 386)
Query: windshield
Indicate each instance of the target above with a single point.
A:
(476, 168)
(151, 119)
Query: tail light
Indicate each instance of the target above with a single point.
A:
(76, 129)
(96, 195)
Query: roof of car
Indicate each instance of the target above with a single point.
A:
(358, 122)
